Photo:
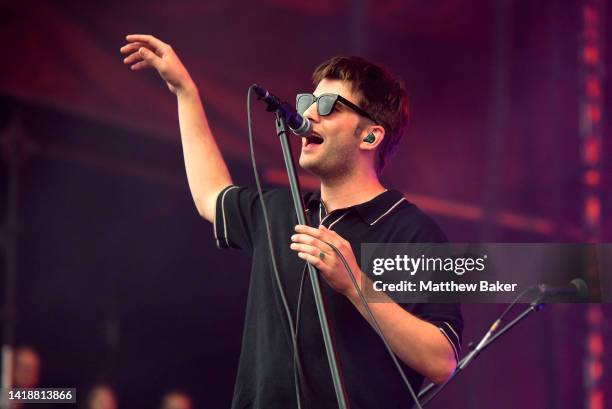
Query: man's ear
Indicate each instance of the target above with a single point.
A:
(372, 137)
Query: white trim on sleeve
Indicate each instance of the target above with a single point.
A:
(450, 342)
(223, 219)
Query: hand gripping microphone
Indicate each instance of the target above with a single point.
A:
(296, 122)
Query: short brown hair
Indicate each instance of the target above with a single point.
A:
(380, 93)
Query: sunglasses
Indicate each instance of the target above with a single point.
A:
(326, 104)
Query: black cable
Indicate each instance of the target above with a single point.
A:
(297, 367)
(299, 300)
(475, 351)
(297, 321)
(492, 329)
(376, 326)
(515, 301)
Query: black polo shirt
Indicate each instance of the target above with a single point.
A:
(265, 372)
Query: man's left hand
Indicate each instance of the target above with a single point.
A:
(311, 245)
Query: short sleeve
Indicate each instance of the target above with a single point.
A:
(239, 215)
(447, 318)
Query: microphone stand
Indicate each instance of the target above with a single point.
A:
(281, 131)
(535, 306)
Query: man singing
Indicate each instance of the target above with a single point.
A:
(358, 111)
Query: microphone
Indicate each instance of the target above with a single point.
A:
(577, 287)
(296, 122)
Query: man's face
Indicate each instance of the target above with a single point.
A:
(339, 151)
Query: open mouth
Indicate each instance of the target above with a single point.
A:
(313, 138)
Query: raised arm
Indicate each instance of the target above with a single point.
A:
(207, 172)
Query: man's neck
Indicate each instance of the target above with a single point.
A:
(350, 191)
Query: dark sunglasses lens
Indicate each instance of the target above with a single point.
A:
(326, 104)
(303, 102)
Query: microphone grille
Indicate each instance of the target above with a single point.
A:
(304, 128)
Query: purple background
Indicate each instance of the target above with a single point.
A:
(119, 279)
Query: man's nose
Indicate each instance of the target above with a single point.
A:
(312, 113)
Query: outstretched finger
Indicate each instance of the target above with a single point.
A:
(139, 65)
(132, 58)
(131, 47)
(150, 57)
(147, 39)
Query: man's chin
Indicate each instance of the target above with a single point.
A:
(307, 166)
(310, 166)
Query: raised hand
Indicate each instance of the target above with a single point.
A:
(146, 51)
